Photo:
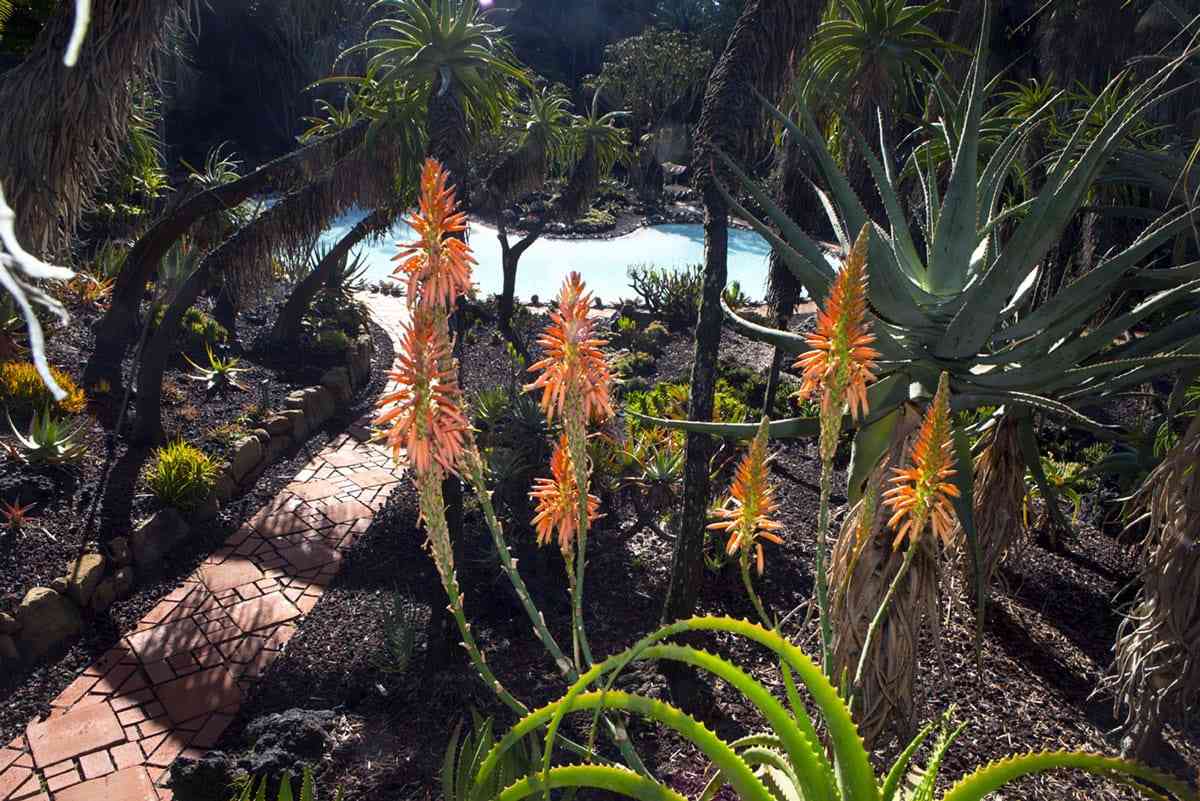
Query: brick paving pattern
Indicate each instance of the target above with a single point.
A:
(173, 685)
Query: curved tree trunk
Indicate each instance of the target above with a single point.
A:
(148, 419)
(287, 326)
(757, 57)
(65, 127)
(510, 258)
(118, 327)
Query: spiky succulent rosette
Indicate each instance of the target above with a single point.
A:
(747, 516)
(574, 371)
(437, 264)
(557, 500)
(922, 493)
(424, 410)
(841, 362)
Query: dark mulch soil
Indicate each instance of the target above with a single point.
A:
(27, 694)
(101, 497)
(1047, 638)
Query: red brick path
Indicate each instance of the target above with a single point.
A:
(172, 686)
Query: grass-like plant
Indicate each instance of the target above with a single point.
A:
(180, 475)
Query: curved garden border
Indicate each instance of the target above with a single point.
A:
(48, 618)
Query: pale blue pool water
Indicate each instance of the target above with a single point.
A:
(602, 262)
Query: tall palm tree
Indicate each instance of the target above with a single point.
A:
(757, 60)
(463, 63)
(66, 127)
(860, 62)
(592, 145)
(544, 146)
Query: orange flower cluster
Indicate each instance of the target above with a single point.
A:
(574, 368)
(425, 409)
(923, 491)
(747, 514)
(437, 264)
(841, 363)
(557, 500)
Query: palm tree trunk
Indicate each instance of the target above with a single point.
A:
(287, 325)
(783, 288)
(757, 57)
(118, 327)
(65, 127)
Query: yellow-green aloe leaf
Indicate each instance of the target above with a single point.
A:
(976, 786)
(613, 779)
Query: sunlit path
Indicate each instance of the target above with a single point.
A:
(172, 686)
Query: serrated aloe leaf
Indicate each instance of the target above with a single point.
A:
(981, 783)
(789, 428)
(816, 276)
(956, 234)
(1094, 286)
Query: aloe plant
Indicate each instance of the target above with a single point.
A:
(787, 760)
(50, 441)
(252, 791)
(959, 303)
(220, 375)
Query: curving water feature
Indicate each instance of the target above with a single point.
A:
(601, 261)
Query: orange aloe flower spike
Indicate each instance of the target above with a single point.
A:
(557, 500)
(437, 265)
(922, 492)
(841, 361)
(747, 515)
(425, 408)
(574, 368)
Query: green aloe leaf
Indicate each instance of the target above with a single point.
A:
(956, 234)
(986, 780)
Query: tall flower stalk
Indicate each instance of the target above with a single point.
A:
(919, 500)
(425, 409)
(574, 380)
(427, 424)
(837, 368)
(747, 516)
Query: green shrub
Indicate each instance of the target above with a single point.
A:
(672, 295)
(197, 330)
(734, 296)
(330, 342)
(669, 400)
(465, 755)
(635, 383)
(23, 393)
(631, 364)
(517, 443)
(333, 310)
(656, 333)
(181, 475)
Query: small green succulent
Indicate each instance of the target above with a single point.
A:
(50, 441)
